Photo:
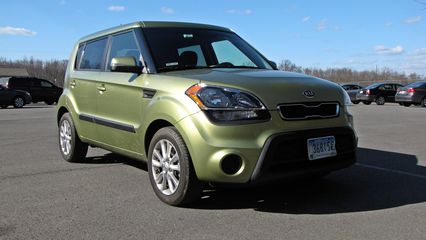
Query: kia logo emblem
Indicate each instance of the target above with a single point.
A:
(309, 94)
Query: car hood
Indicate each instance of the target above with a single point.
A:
(271, 87)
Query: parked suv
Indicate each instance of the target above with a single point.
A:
(17, 98)
(199, 104)
(414, 93)
(379, 93)
(41, 90)
(352, 90)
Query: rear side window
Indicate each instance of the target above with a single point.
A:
(93, 55)
(20, 82)
(124, 45)
(46, 84)
(78, 57)
(4, 81)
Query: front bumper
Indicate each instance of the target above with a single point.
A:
(269, 150)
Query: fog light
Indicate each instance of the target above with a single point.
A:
(231, 164)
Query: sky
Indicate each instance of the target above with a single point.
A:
(361, 34)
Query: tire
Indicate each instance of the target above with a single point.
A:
(355, 102)
(18, 102)
(3, 106)
(380, 100)
(407, 104)
(71, 147)
(423, 102)
(49, 102)
(366, 102)
(180, 186)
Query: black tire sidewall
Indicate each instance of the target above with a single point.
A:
(171, 134)
(71, 155)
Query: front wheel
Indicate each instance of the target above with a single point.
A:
(367, 102)
(380, 100)
(170, 168)
(355, 102)
(49, 102)
(423, 103)
(18, 102)
(3, 106)
(71, 147)
(407, 104)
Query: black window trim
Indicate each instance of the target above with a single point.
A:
(106, 69)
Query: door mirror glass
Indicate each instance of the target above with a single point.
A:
(125, 64)
(273, 64)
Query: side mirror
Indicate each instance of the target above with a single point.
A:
(273, 64)
(125, 64)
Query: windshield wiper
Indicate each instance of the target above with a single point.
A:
(230, 65)
(179, 68)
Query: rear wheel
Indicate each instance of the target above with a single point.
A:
(355, 102)
(71, 147)
(380, 100)
(18, 102)
(366, 102)
(50, 102)
(407, 104)
(3, 106)
(423, 103)
(170, 168)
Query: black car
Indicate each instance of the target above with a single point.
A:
(41, 90)
(414, 93)
(17, 98)
(352, 90)
(379, 93)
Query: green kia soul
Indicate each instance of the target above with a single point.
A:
(199, 104)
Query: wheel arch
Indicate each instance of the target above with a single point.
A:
(152, 129)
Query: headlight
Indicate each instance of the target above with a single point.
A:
(348, 101)
(227, 105)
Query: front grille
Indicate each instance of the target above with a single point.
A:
(301, 111)
(287, 153)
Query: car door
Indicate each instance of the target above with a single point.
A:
(49, 90)
(36, 90)
(4, 96)
(120, 100)
(89, 65)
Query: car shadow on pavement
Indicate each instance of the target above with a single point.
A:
(380, 180)
(112, 158)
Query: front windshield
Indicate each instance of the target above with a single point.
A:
(416, 84)
(190, 48)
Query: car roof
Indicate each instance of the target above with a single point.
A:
(151, 24)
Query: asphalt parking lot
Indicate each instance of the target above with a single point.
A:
(109, 197)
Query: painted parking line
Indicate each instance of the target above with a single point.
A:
(391, 170)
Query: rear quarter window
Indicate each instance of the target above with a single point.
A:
(94, 55)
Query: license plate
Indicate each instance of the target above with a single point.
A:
(321, 147)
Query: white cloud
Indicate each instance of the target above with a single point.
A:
(167, 10)
(380, 49)
(419, 52)
(16, 31)
(322, 24)
(412, 20)
(388, 24)
(116, 8)
(305, 19)
(239, 11)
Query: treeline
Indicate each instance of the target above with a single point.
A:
(52, 70)
(347, 75)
